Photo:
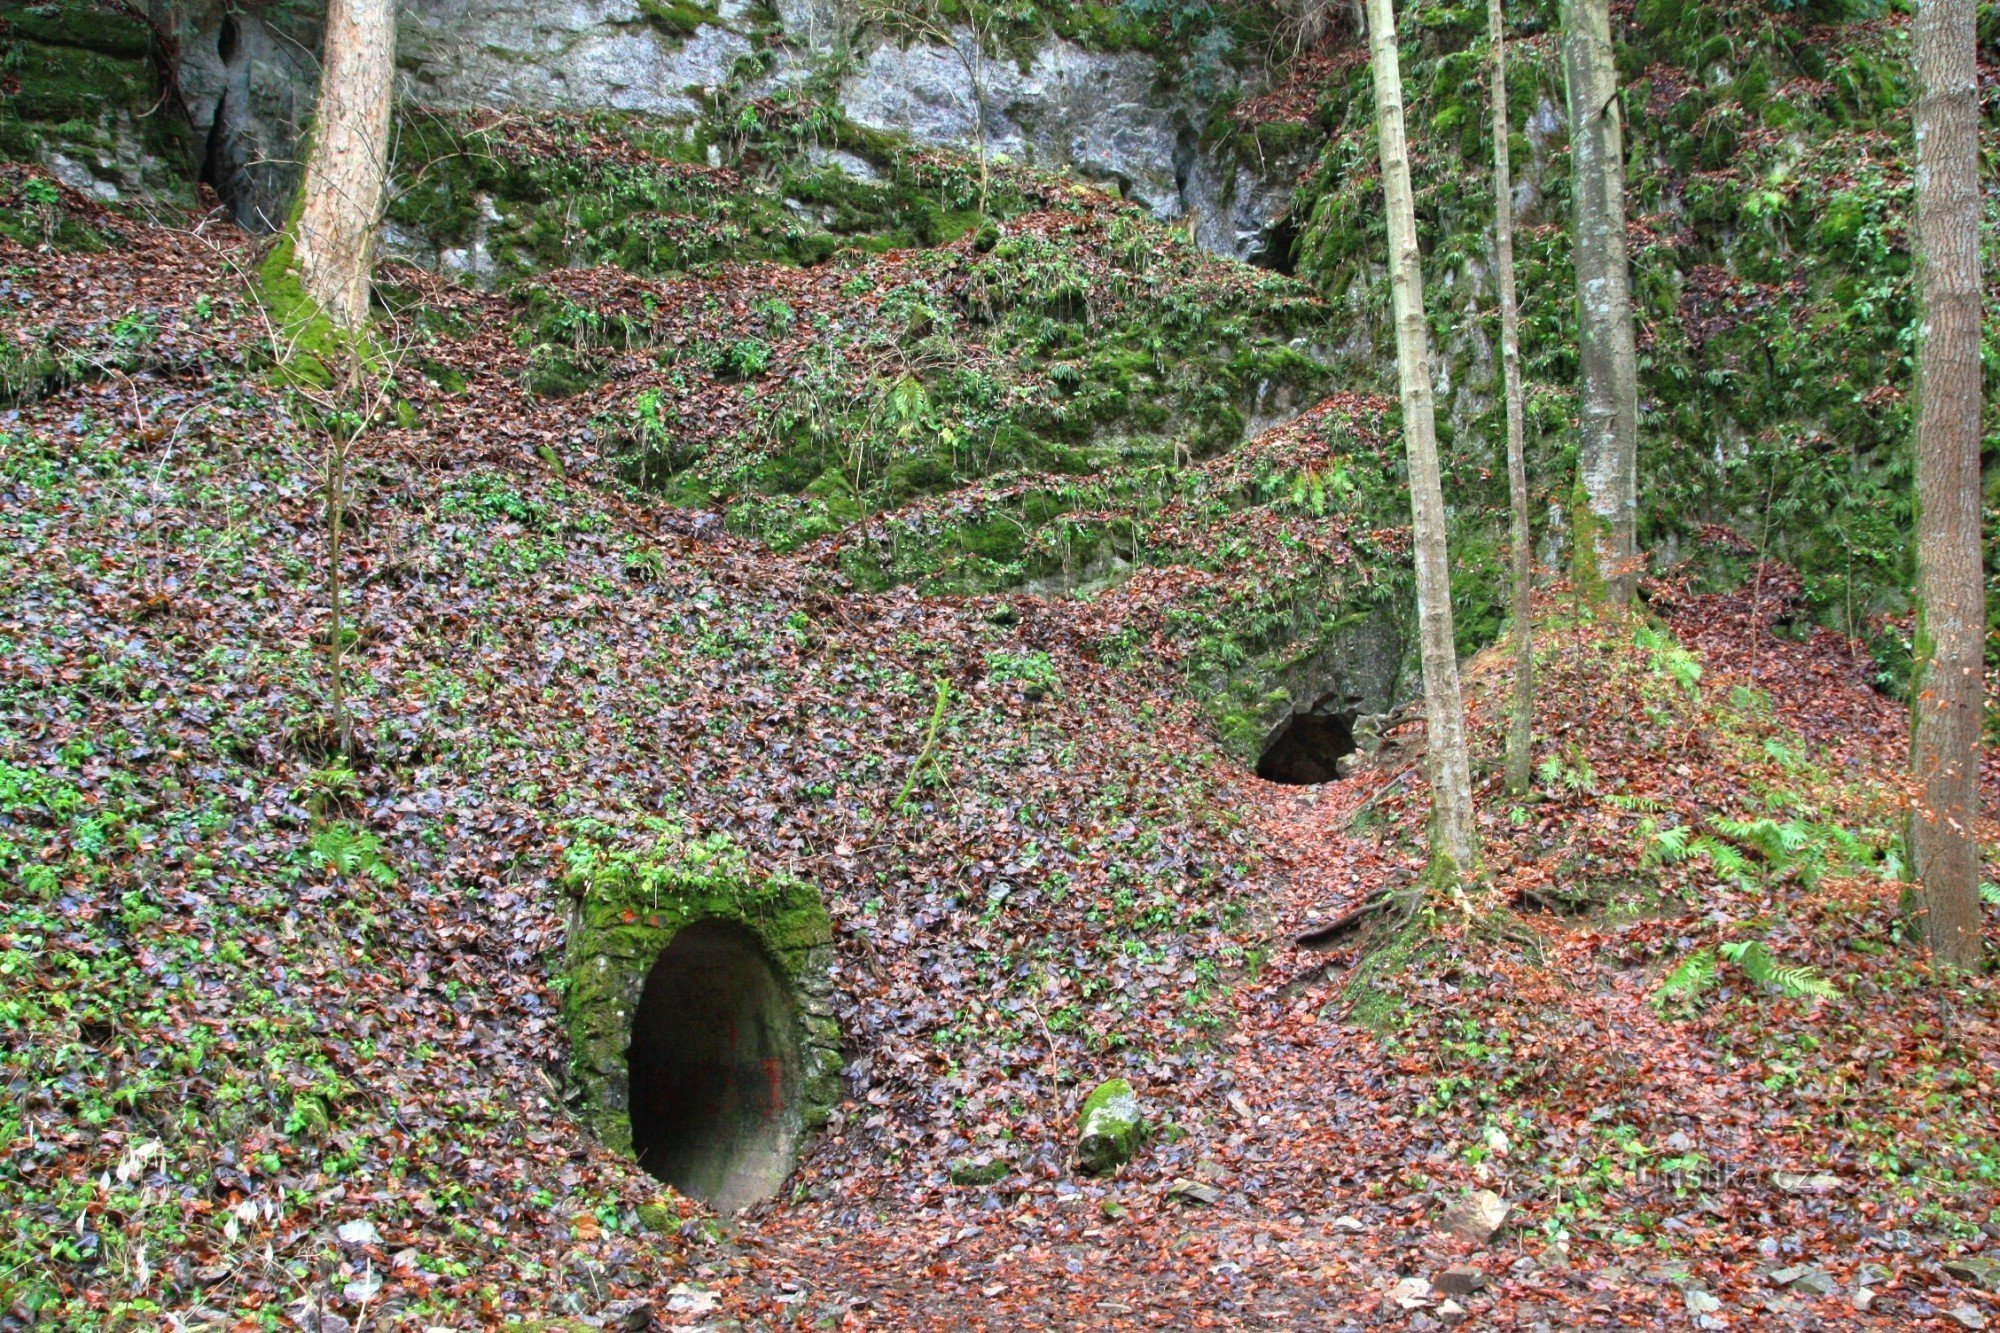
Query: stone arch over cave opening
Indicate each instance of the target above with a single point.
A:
(716, 1069)
(1306, 749)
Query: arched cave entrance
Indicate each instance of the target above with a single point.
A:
(1304, 751)
(716, 1069)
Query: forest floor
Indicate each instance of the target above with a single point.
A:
(282, 1042)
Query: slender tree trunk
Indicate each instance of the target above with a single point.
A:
(1453, 836)
(1605, 512)
(1520, 721)
(336, 521)
(333, 233)
(1946, 690)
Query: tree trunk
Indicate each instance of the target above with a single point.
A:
(333, 232)
(1453, 837)
(1606, 555)
(1946, 689)
(1520, 721)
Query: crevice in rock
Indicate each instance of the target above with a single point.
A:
(1277, 252)
(1306, 749)
(716, 1068)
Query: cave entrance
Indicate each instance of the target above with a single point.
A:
(715, 1068)
(1304, 751)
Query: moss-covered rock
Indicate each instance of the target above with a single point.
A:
(1110, 1128)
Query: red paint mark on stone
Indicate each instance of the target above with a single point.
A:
(774, 1075)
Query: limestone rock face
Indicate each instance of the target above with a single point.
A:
(579, 55)
(1104, 115)
(248, 77)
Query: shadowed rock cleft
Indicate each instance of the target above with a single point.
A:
(1307, 750)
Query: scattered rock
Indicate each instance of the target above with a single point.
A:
(1804, 1279)
(1800, 1182)
(1980, 1272)
(1460, 1280)
(1966, 1317)
(1873, 1275)
(634, 1316)
(1193, 1191)
(1477, 1218)
(361, 1232)
(1412, 1293)
(1699, 1301)
(1450, 1311)
(1862, 1298)
(1110, 1128)
(982, 1170)
(686, 1299)
(363, 1288)
(1346, 1222)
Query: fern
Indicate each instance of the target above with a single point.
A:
(1669, 658)
(1728, 863)
(1989, 893)
(1695, 974)
(350, 852)
(1792, 980)
(1667, 845)
(1635, 804)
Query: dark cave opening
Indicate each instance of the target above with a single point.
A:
(714, 1066)
(1281, 243)
(1306, 750)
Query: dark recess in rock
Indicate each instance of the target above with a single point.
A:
(1307, 749)
(715, 1068)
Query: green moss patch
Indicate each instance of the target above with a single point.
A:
(634, 891)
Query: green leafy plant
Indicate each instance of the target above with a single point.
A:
(1695, 974)
(1668, 658)
(1792, 980)
(349, 852)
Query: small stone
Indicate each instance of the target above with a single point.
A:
(1460, 1280)
(1194, 1192)
(1700, 1302)
(1411, 1293)
(1450, 1311)
(1346, 1222)
(1872, 1275)
(1109, 1129)
(1478, 1217)
(973, 1171)
(1862, 1298)
(685, 1299)
(1814, 1282)
(361, 1232)
(363, 1288)
(1801, 1182)
(634, 1316)
(1966, 1317)
(1980, 1272)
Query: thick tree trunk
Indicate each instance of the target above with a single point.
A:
(1453, 836)
(1946, 691)
(1520, 720)
(1606, 554)
(333, 232)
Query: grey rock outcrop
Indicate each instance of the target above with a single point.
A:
(248, 75)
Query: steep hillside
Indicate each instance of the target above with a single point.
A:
(812, 600)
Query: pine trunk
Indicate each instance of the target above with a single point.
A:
(1453, 835)
(1520, 720)
(341, 199)
(1946, 689)
(1606, 554)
